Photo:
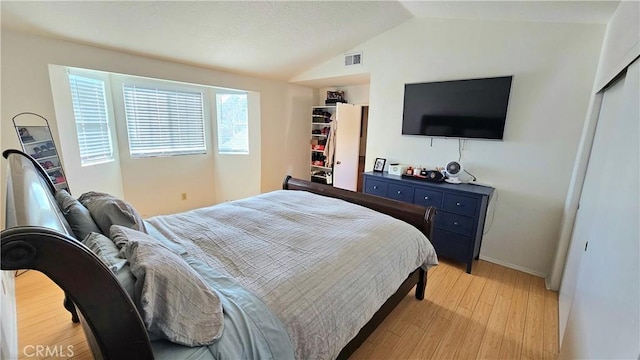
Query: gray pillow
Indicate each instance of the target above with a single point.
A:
(108, 252)
(175, 302)
(107, 210)
(76, 214)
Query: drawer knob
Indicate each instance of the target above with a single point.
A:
(399, 192)
(426, 198)
(457, 204)
(455, 223)
(375, 187)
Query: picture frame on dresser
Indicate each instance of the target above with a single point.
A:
(378, 166)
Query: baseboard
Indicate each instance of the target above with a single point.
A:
(546, 284)
(516, 267)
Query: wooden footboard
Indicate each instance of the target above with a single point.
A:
(418, 216)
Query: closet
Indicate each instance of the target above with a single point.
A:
(335, 145)
(600, 292)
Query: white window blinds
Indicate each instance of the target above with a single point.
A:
(163, 122)
(233, 125)
(92, 122)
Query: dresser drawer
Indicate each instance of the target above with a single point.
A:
(400, 192)
(455, 223)
(424, 197)
(451, 245)
(375, 187)
(458, 204)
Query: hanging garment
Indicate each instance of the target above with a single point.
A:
(330, 146)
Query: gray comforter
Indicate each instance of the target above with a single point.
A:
(323, 266)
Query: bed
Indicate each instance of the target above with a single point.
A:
(304, 272)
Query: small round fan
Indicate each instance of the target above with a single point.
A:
(453, 170)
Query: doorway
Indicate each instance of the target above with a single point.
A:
(364, 122)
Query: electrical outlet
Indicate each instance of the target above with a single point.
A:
(183, 196)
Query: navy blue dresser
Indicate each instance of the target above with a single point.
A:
(462, 208)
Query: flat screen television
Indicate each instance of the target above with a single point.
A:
(471, 109)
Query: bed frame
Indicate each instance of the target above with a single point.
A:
(38, 237)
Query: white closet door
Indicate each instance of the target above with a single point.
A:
(595, 183)
(604, 318)
(345, 164)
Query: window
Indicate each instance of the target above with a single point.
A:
(233, 124)
(92, 123)
(164, 122)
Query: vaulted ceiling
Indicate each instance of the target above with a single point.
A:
(271, 39)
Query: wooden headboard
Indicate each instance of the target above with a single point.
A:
(37, 237)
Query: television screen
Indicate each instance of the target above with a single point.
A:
(475, 109)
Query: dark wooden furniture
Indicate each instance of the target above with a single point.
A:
(38, 237)
(462, 209)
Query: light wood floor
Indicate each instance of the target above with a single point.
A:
(496, 313)
(42, 321)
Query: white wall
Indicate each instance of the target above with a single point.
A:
(553, 67)
(154, 186)
(621, 42)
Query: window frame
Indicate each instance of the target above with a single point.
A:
(168, 86)
(106, 87)
(247, 149)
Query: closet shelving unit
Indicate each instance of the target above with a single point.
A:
(321, 117)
